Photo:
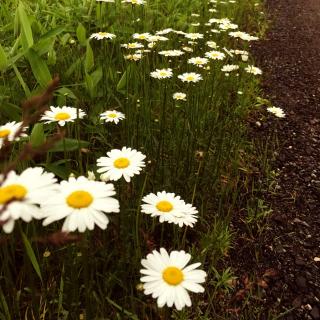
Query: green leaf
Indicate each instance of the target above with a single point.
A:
(37, 136)
(23, 84)
(89, 59)
(60, 171)
(31, 255)
(10, 111)
(69, 145)
(25, 27)
(4, 306)
(96, 76)
(52, 33)
(3, 60)
(67, 92)
(39, 68)
(81, 35)
(123, 82)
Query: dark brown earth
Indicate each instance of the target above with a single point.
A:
(290, 59)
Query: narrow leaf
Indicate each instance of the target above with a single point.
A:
(31, 255)
(39, 68)
(69, 145)
(81, 34)
(37, 136)
(3, 59)
(25, 27)
(89, 60)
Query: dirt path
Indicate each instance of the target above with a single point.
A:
(290, 58)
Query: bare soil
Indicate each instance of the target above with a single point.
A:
(285, 264)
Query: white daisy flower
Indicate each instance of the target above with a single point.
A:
(62, 115)
(112, 116)
(211, 44)
(215, 55)
(187, 49)
(162, 73)
(198, 61)
(83, 203)
(157, 38)
(190, 77)
(133, 57)
(179, 96)
(164, 31)
(9, 130)
(169, 208)
(22, 194)
(278, 112)
(132, 45)
(229, 67)
(193, 36)
(102, 35)
(254, 70)
(228, 25)
(125, 162)
(141, 36)
(168, 278)
(171, 53)
(135, 2)
(242, 35)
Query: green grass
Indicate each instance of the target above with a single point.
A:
(197, 149)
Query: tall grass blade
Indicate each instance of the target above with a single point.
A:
(31, 255)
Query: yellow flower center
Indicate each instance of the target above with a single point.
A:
(164, 206)
(102, 34)
(112, 115)
(4, 133)
(121, 163)
(190, 78)
(172, 276)
(79, 199)
(62, 116)
(12, 192)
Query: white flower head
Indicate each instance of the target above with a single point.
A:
(134, 2)
(133, 57)
(242, 35)
(9, 131)
(168, 278)
(193, 36)
(190, 77)
(162, 73)
(22, 194)
(278, 112)
(112, 116)
(254, 70)
(187, 49)
(82, 203)
(62, 115)
(125, 162)
(212, 44)
(229, 67)
(215, 55)
(179, 96)
(141, 36)
(102, 35)
(169, 208)
(198, 61)
(132, 45)
(171, 53)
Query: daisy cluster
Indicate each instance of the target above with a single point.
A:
(83, 202)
